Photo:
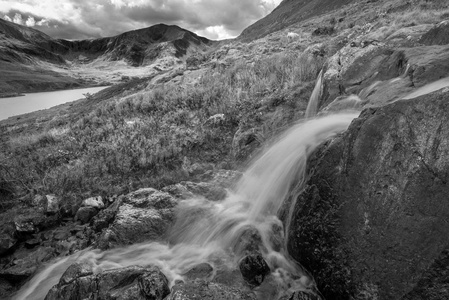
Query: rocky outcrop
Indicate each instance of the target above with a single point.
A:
(254, 269)
(143, 215)
(79, 282)
(371, 221)
(438, 35)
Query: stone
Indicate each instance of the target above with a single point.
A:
(372, 217)
(85, 214)
(143, 215)
(154, 284)
(254, 269)
(96, 202)
(52, 204)
(201, 271)
(134, 282)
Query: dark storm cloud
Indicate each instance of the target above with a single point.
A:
(81, 19)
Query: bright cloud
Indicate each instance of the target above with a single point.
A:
(78, 19)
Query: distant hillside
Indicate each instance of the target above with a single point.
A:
(33, 61)
(138, 47)
(288, 13)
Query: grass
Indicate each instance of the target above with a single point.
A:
(134, 137)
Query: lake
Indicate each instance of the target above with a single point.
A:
(13, 106)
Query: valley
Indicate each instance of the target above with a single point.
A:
(305, 159)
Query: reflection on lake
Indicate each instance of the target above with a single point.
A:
(13, 106)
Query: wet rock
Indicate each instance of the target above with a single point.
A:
(134, 282)
(51, 205)
(154, 284)
(96, 202)
(254, 269)
(85, 214)
(201, 271)
(372, 217)
(24, 263)
(428, 63)
(208, 291)
(76, 271)
(352, 69)
(143, 215)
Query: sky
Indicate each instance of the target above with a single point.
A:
(82, 19)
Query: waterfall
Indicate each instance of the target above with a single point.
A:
(312, 106)
(207, 231)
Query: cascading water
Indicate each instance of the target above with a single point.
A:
(312, 106)
(211, 232)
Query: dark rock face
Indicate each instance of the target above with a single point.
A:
(79, 282)
(143, 215)
(254, 269)
(372, 218)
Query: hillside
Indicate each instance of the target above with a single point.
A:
(315, 139)
(33, 61)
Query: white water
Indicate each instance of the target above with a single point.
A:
(212, 231)
(312, 106)
(13, 106)
(429, 88)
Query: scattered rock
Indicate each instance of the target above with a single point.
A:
(96, 202)
(85, 214)
(254, 269)
(143, 215)
(134, 282)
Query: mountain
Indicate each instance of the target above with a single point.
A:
(25, 53)
(287, 13)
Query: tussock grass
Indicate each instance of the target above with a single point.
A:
(141, 138)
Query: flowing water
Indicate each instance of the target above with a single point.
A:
(213, 232)
(312, 106)
(429, 88)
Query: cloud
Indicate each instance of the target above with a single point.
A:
(79, 19)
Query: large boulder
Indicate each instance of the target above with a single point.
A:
(372, 220)
(143, 215)
(254, 269)
(79, 282)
